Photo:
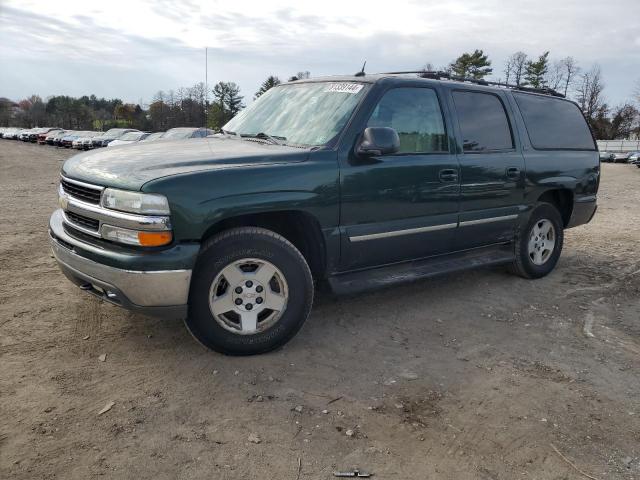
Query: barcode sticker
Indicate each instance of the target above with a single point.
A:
(344, 87)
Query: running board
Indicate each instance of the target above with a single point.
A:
(362, 280)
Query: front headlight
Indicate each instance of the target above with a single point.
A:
(135, 202)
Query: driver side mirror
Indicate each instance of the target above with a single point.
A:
(377, 141)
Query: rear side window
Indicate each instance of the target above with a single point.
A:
(415, 114)
(483, 122)
(554, 124)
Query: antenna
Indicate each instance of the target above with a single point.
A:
(206, 86)
(361, 72)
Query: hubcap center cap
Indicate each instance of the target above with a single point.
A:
(248, 297)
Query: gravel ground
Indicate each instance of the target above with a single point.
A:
(480, 375)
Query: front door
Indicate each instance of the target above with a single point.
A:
(405, 205)
(492, 169)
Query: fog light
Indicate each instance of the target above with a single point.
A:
(136, 237)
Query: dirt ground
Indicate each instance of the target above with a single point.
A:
(480, 375)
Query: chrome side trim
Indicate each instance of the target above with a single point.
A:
(488, 220)
(113, 217)
(397, 233)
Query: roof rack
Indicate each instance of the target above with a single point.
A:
(440, 75)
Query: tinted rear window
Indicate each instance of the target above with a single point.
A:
(554, 124)
(483, 122)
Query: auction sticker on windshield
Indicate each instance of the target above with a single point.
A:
(344, 87)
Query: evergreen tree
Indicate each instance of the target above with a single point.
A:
(536, 72)
(471, 65)
(270, 82)
(227, 103)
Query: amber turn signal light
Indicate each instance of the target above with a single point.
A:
(154, 239)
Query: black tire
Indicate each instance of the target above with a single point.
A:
(523, 264)
(233, 245)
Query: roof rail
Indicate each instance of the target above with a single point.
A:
(440, 75)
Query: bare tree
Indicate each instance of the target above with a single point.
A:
(514, 68)
(589, 92)
(555, 75)
(570, 70)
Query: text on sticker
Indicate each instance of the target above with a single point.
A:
(344, 87)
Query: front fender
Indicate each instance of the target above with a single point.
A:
(199, 200)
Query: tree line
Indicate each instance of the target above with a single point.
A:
(198, 106)
(564, 75)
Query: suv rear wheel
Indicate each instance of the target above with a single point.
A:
(251, 292)
(539, 244)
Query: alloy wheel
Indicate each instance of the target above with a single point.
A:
(248, 296)
(542, 241)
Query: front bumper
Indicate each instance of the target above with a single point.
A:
(154, 292)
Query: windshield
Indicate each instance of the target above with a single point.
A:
(113, 133)
(179, 133)
(130, 136)
(302, 114)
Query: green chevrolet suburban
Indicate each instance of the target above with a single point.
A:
(352, 182)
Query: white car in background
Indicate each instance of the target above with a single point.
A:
(85, 140)
(129, 138)
(153, 136)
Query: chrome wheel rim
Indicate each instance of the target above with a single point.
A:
(542, 242)
(248, 296)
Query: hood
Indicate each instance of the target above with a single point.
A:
(131, 166)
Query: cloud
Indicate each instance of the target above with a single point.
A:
(132, 49)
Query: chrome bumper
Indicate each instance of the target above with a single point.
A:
(163, 293)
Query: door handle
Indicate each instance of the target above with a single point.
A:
(448, 175)
(513, 172)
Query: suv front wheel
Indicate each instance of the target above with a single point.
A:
(251, 292)
(539, 244)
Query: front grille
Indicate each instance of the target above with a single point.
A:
(86, 194)
(82, 221)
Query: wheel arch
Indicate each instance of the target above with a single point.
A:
(299, 227)
(562, 199)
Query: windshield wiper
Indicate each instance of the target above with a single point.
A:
(265, 136)
(229, 132)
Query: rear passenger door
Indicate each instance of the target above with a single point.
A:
(492, 168)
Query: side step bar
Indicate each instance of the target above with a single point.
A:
(370, 279)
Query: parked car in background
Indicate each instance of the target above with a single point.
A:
(111, 135)
(49, 137)
(42, 136)
(84, 140)
(634, 157)
(621, 157)
(129, 138)
(13, 134)
(186, 132)
(24, 134)
(153, 136)
(57, 138)
(67, 141)
(34, 134)
(607, 156)
(87, 141)
(9, 133)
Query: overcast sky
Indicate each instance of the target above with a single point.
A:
(131, 49)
